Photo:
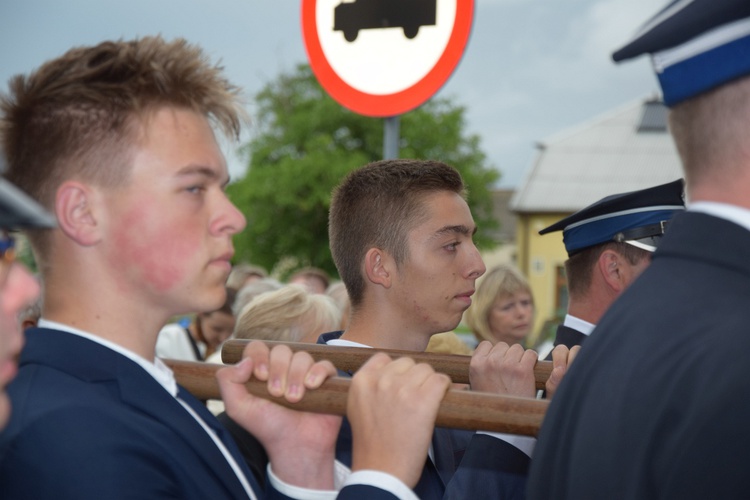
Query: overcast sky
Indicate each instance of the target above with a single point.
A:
(531, 68)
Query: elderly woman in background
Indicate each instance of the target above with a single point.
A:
(290, 314)
(502, 309)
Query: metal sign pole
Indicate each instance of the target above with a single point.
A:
(391, 126)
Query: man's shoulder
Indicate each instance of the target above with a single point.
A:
(74, 450)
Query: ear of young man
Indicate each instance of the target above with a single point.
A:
(77, 206)
(379, 267)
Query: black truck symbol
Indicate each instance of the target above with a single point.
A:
(350, 17)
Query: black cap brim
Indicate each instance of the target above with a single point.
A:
(19, 211)
(679, 22)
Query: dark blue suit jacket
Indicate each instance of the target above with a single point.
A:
(655, 405)
(567, 336)
(88, 422)
(448, 446)
(466, 465)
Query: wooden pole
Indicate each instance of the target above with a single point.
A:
(456, 366)
(459, 409)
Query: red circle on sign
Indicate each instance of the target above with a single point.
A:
(386, 104)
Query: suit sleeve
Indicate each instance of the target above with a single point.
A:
(491, 468)
(72, 455)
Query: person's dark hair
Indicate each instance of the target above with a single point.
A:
(79, 115)
(579, 268)
(376, 206)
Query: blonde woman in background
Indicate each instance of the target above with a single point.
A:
(290, 314)
(502, 308)
(252, 290)
(337, 291)
(448, 343)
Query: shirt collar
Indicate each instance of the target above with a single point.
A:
(578, 324)
(732, 213)
(345, 343)
(157, 369)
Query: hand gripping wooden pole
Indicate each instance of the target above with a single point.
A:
(456, 366)
(459, 409)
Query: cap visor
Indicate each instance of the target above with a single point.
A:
(18, 210)
(649, 244)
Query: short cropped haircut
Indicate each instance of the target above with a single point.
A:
(376, 206)
(579, 268)
(710, 132)
(501, 281)
(78, 116)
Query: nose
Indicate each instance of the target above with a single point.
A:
(476, 264)
(19, 291)
(228, 219)
(525, 310)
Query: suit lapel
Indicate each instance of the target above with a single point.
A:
(141, 391)
(443, 453)
(95, 363)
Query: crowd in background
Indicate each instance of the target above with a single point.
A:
(309, 304)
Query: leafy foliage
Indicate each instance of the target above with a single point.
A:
(305, 143)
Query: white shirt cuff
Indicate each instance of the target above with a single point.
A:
(297, 491)
(340, 474)
(383, 481)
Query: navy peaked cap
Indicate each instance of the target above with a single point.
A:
(695, 46)
(18, 210)
(636, 217)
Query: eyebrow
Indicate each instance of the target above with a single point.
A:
(203, 171)
(459, 229)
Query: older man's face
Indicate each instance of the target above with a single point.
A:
(18, 289)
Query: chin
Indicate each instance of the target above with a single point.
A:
(450, 326)
(211, 299)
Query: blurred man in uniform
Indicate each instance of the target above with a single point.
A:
(609, 244)
(654, 407)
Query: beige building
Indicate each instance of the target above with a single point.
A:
(505, 235)
(625, 149)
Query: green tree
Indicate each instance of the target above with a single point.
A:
(305, 143)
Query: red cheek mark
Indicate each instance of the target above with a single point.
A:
(153, 247)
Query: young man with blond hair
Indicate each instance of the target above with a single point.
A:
(117, 140)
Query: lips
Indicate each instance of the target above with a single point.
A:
(224, 260)
(465, 297)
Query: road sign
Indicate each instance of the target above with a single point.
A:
(384, 57)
